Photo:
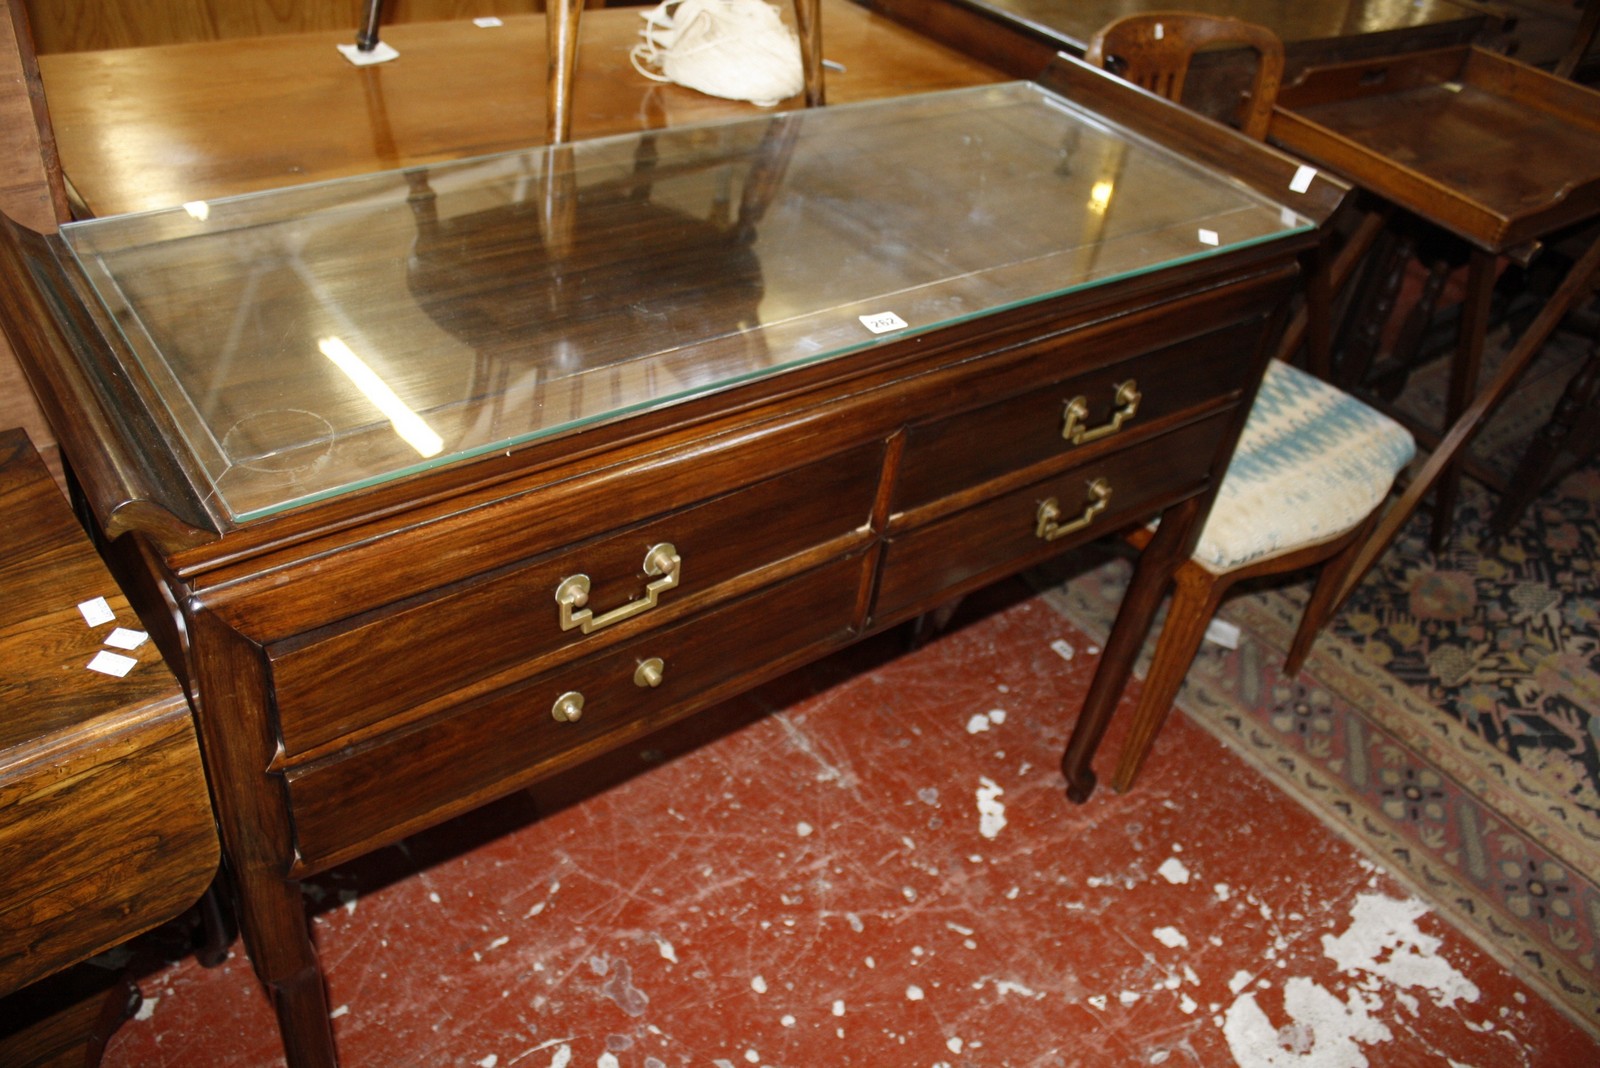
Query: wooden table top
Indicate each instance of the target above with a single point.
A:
(1072, 22)
(141, 128)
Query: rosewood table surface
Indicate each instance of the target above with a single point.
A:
(141, 128)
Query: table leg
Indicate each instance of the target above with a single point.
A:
(367, 34)
(278, 937)
(1152, 575)
(561, 34)
(1464, 373)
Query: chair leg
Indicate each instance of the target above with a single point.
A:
(1324, 595)
(1195, 596)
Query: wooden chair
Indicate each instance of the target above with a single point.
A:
(562, 18)
(1153, 51)
(1313, 465)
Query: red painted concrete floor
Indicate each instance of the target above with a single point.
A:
(873, 863)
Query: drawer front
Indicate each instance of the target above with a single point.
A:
(970, 448)
(348, 803)
(357, 674)
(1002, 535)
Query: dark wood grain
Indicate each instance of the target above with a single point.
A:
(107, 827)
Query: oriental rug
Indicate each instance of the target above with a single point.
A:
(1448, 721)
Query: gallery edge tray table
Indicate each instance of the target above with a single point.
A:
(439, 481)
(1496, 152)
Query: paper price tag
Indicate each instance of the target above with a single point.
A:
(883, 322)
(96, 612)
(112, 664)
(123, 638)
(1209, 237)
(1302, 179)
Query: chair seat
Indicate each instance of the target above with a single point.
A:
(1311, 464)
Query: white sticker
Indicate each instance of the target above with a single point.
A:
(1208, 237)
(96, 611)
(883, 322)
(123, 638)
(488, 22)
(1221, 632)
(112, 663)
(1160, 31)
(1302, 179)
(382, 52)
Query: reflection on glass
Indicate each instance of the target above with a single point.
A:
(411, 427)
(505, 298)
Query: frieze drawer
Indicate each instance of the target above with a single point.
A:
(344, 678)
(1116, 404)
(1017, 529)
(349, 802)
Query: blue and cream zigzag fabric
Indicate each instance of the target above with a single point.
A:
(1312, 463)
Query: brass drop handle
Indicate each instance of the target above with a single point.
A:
(573, 592)
(649, 673)
(568, 707)
(1127, 405)
(1049, 525)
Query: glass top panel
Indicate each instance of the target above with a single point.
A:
(318, 339)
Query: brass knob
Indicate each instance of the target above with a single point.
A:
(568, 707)
(648, 674)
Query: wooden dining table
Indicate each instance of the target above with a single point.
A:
(1021, 36)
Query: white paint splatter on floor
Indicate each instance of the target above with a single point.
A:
(991, 813)
(1384, 954)
(1173, 871)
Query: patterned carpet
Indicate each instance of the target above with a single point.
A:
(1449, 721)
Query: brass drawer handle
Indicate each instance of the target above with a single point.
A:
(1127, 401)
(568, 707)
(573, 593)
(1049, 525)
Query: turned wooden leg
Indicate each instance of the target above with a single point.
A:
(808, 19)
(561, 18)
(1464, 382)
(1196, 594)
(1169, 548)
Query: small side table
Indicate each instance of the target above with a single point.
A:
(1495, 152)
(106, 827)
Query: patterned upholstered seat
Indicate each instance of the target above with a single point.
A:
(1313, 463)
(1310, 473)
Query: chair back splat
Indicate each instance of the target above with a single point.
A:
(1153, 50)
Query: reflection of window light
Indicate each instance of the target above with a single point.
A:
(407, 423)
(1100, 196)
(199, 209)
